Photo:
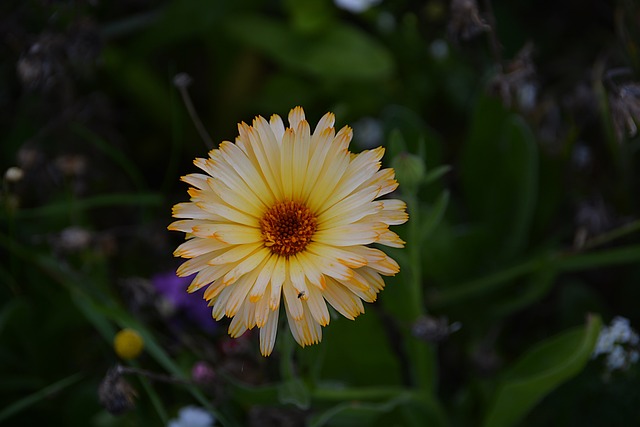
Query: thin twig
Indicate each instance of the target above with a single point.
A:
(494, 43)
(182, 81)
(152, 375)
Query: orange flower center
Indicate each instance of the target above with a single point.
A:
(287, 228)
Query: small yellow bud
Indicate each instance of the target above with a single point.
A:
(128, 344)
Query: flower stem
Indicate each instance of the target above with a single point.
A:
(421, 353)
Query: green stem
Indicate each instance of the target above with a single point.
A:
(423, 354)
(365, 393)
(604, 238)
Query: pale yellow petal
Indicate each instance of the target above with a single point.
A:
(232, 234)
(262, 311)
(277, 126)
(317, 306)
(248, 264)
(326, 122)
(352, 234)
(297, 277)
(261, 286)
(389, 238)
(208, 275)
(305, 330)
(268, 333)
(191, 211)
(247, 171)
(277, 279)
(292, 302)
(197, 246)
(286, 160)
(220, 303)
(235, 253)
(361, 169)
(300, 159)
(296, 115)
(198, 180)
(239, 292)
(344, 301)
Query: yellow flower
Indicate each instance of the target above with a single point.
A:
(288, 214)
(128, 344)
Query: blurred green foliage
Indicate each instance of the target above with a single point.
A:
(524, 208)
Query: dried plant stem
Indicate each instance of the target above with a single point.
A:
(182, 81)
(120, 369)
(494, 43)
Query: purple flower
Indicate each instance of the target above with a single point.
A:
(193, 306)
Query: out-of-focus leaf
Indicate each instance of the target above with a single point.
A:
(339, 52)
(598, 259)
(396, 144)
(541, 370)
(485, 284)
(139, 83)
(356, 413)
(64, 208)
(114, 153)
(434, 216)
(499, 171)
(294, 391)
(435, 174)
(7, 311)
(350, 340)
(32, 399)
(535, 288)
(311, 15)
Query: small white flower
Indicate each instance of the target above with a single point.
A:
(616, 342)
(192, 416)
(616, 358)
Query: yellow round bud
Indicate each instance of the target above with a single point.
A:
(128, 344)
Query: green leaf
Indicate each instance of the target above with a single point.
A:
(499, 171)
(104, 200)
(339, 52)
(541, 370)
(356, 413)
(348, 341)
(116, 155)
(32, 399)
(435, 174)
(434, 216)
(294, 391)
(309, 16)
(140, 83)
(396, 144)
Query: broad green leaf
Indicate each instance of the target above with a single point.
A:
(339, 52)
(541, 370)
(311, 15)
(499, 171)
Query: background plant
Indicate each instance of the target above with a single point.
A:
(512, 126)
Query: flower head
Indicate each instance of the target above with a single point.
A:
(286, 215)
